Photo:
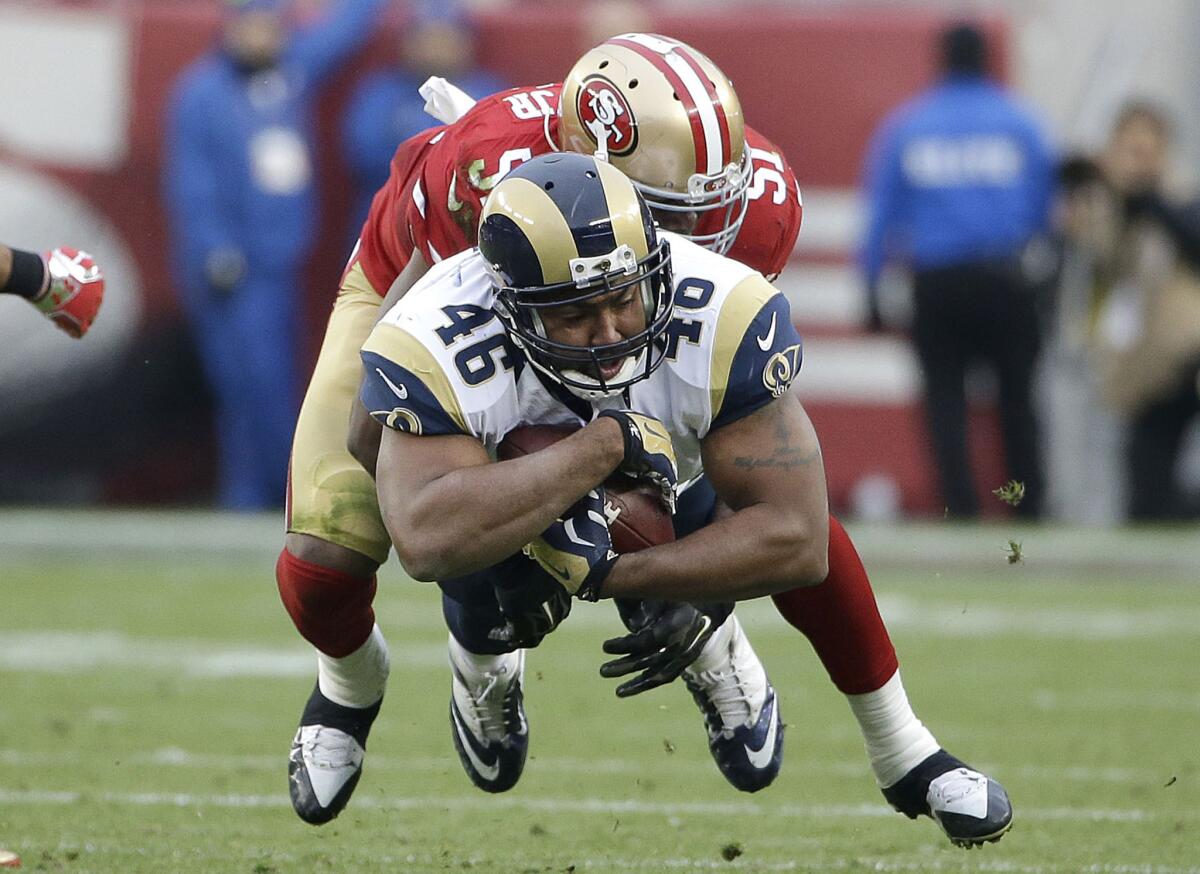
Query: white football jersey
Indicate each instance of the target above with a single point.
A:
(441, 362)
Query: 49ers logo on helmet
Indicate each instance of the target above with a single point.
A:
(606, 116)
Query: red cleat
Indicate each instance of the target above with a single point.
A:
(74, 290)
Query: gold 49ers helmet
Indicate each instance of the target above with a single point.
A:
(564, 229)
(666, 116)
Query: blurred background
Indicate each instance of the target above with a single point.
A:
(124, 417)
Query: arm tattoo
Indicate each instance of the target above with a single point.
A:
(787, 454)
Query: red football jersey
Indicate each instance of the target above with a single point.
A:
(773, 214)
(440, 178)
(497, 134)
(384, 244)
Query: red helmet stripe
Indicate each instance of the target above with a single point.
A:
(718, 107)
(681, 90)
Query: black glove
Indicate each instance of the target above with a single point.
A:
(649, 453)
(665, 637)
(528, 620)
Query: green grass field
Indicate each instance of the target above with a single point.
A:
(150, 683)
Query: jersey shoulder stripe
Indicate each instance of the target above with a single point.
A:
(445, 343)
(740, 309)
(756, 351)
(405, 387)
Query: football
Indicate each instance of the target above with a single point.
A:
(636, 517)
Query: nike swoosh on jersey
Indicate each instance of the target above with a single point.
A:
(400, 391)
(765, 343)
(761, 757)
(486, 771)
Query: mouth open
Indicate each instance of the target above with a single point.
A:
(611, 369)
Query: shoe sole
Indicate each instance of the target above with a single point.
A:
(972, 843)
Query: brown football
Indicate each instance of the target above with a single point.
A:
(636, 517)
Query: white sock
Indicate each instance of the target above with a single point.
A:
(359, 679)
(475, 663)
(716, 651)
(896, 740)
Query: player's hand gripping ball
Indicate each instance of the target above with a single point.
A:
(577, 549)
(649, 453)
(636, 516)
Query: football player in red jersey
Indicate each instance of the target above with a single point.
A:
(64, 283)
(666, 116)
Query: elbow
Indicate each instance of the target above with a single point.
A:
(417, 548)
(421, 563)
(429, 555)
(807, 554)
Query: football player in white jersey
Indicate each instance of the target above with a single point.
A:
(676, 362)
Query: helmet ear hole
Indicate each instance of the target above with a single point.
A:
(603, 64)
(633, 83)
(549, 186)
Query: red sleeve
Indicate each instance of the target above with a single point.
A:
(498, 133)
(385, 244)
(774, 213)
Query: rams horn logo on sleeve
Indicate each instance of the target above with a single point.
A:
(781, 370)
(400, 419)
(607, 116)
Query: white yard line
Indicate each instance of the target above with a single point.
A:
(71, 652)
(65, 652)
(175, 757)
(154, 534)
(564, 805)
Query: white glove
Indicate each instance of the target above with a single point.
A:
(444, 101)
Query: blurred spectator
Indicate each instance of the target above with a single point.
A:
(959, 181)
(1083, 436)
(1150, 325)
(241, 201)
(385, 109)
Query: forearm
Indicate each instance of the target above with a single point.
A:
(751, 553)
(767, 468)
(475, 516)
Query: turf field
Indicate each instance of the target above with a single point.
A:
(150, 683)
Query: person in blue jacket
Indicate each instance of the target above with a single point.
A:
(241, 202)
(959, 180)
(385, 109)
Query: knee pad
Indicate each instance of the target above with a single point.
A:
(331, 610)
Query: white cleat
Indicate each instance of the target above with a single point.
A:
(971, 808)
(487, 718)
(326, 759)
(740, 708)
